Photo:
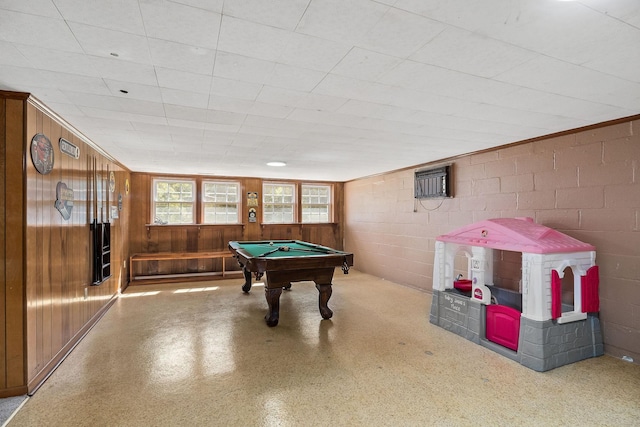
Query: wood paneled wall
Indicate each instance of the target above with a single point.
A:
(48, 293)
(47, 300)
(145, 237)
(12, 271)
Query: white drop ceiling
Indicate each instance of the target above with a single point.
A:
(337, 89)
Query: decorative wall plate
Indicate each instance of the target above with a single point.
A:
(42, 153)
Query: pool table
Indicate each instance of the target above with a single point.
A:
(286, 261)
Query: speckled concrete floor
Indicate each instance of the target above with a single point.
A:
(200, 354)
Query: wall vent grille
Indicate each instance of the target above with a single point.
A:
(431, 183)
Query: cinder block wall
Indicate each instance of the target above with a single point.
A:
(584, 183)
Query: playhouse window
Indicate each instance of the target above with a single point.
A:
(507, 269)
(567, 293)
(566, 296)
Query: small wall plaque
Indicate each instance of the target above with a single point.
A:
(64, 200)
(252, 199)
(69, 149)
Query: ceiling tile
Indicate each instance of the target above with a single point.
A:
(313, 52)
(134, 90)
(230, 118)
(365, 65)
(463, 51)
(283, 14)
(232, 105)
(620, 59)
(295, 78)
(52, 33)
(137, 106)
(181, 23)
(293, 98)
(235, 88)
(176, 56)
(252, 40)
(102, 101)
(104, 42)
(269, 110)
(341, 20)
(339, 86)
(182, 80)
(210, 5)
(280, 96)
(186, 113)
(242, 68)
(547, 74)
(376, 111)
(116, 69)
(61, 61)
(118, 15)
(184, 98)
(10, 55)
(34, 7)
(467, 15)
(400, 33)
(74, 82)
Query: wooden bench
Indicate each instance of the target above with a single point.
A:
(174, 256)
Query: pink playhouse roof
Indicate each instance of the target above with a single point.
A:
(515, 234)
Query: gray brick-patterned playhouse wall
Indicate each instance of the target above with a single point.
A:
(541, 346)
(546, 345)
(456, 313)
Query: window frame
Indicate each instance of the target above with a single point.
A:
(154, 200)
(294, 204)
(329, 205)
(203, 203)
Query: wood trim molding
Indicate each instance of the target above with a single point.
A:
(41, 106)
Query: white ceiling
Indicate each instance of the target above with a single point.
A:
(337, 89)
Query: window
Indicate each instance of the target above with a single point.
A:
(220, 202)
(173, 201)
(316, 203)
(278, 203)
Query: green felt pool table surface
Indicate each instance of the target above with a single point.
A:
(284, 248)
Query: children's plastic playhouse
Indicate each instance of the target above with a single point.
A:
(550, 320)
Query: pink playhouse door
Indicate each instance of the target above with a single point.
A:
(503, 325)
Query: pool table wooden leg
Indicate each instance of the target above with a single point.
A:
(247, 280)
(323, 299)
(273, 300)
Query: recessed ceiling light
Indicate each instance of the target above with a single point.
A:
(277, 164)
